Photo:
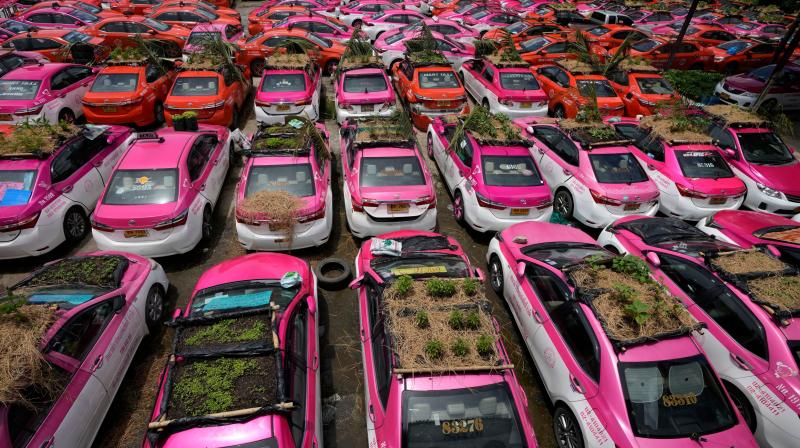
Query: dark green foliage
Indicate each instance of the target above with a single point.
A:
(93, 271)
(473, 320)
(403, 284)
(434, 349)
(207, 387)
(485, 345)
(693, 84)
(470, 286)
(422, 320)
(224, 332)
(631, 266)
(456, 320)
(440, 288)
(460, 347)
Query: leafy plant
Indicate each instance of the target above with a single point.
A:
(186, 115)
(440, 288)
(693, 84)
(424, 48)
(403, 284)
(638, 311)
(456, 320)
(473, 320)
(595, 261)
(460, 347)
(207, 386)
(485, 345)
(434, 349)
(470, 286)
(422, 320)
(631, 266)
(224, 332)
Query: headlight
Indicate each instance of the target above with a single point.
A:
(719, 58)
(769, 191)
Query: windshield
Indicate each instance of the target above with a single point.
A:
(157, 25)
(481, 14)
(420, 265)
(297, 179)
(391, 172)
(510, 171)
(747, 26)
(620, 168)
(286, 82)
(461, 418)
(597, 31)
(15, 27)
(85, 16)
(763, 148)
(396, 38)
(18, 89)
(516, 27)
(518, 81)
(602, 89)
(16, 186)
(66, 298)
(195, 86)
(115, 82)
(703, 164)
(438, 80)
(734, 46)
(533, 44)
(364, 83)
(675, 398)
(562, 255)
(75, 37)
(90, 8)
(202, 37)
(241, 295)
(205, 13)
(654, 86)
(645, 45)
(321, 41)
(464, 8)
(140, 187)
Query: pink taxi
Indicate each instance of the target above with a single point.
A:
(302, 171)
(392, 49)
(99, 324)
(363, 90)
(504, 87)
(45, 199)
(57, 17)
(387, 184)
(594, 182)
(752, 344)
(288, 88)
(321, 26)
(162, 193)
(484, 21)
(383, 21)
(494, 183)
(354, 12)
(760, 31)
(693, 178)
(748, 229)
(420, 407)
(608, 391)
(51, 92)
(450, 28)
(280, 407)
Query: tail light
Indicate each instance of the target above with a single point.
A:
(30, 111)
(26, 223)
(101, 227)
(430, 201)
(263, 104)
(240, 218)
(505, 102)
(385, 106)
(483, 202)
(174, 222)
(317, 214)
(214, 105)
(645, 102)
(359, 206)
(116, 103)
(605, 200)
(689, 193)
(545, 205)
(304, 102)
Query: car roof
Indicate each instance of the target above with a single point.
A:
(37, 71)
(140, 155)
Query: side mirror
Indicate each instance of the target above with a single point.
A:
(111, 139)
(176, 314)
(119, 303)
(529, 130)
(357, 282)
(153, 32)
(629, 96)
(730, 152)
(312, 305)
(653, 259)
(479, 274)
(774, 250)
(521, 269)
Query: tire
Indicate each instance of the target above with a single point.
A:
(357, 23)
(430, 146)
(485, 104)
(234, 119)
(257, 68)
(559, 111)
(459, 211)
(208, 224)
(696, 66)
(743, 406)
(332, 282)
(154, 307)
(378, 36)
(769, 106)
(731, 69)
(563, 203)
(158, 114)
(496, 279)
(566, 428)
(612, 249)
(330, 66)
(76, 225)
(66, 115)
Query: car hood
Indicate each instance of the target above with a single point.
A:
(744, 82)
(781, 177)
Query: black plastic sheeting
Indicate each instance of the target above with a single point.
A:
(652, 230)
(421, 243)
(118, 273)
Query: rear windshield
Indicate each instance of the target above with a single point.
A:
(602, 89)
(420, 265)
(675, 398)
(202, 37)
(116, 82)
(438, 80)
(16, 186)
(158, 25)
(391, 172)
(510, 171)
(195, 86)
(533, 44)
(288, 82)
(141, 187)
(85, 16)
(621, 168)
(703, 164)
(392, 39)
(645, 45)
(364, 83)
(654, 86)
(518, 81)
(597, 31)
(734, 46)
(460, 418)
(297, 179)
(18, 89)
(75, 37)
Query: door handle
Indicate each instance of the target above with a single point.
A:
(371, 413)
(651, 167)
(48, 443)
(315, 362)
(541, 150)
(537, 317)
(576, 385)
(363, 335)
(567, 172)
(741, 363)
(97, 163)
(202, 187)
(66, 189)
(98, 362)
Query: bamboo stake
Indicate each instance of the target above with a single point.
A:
(456, 369)
(227, 414)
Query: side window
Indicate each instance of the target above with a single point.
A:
(78, 336)
(44, 44)
(41, 18)
(397, 18)
(599, 17)
(78, 73)
(562, 78)
(151, 73)
(718, 302)
(774, 29)
(687, 48)
(322, 28)
(549, 289)
(227, 76)
(231, 31)
(558, 143)
(558, 47)
(75, 155)
(114, 27)
(488, 74)
(763, 49)
(60, 80)
(573, 328)
(273, 41)
(136, 28)
(298, 373)
(19, 44)
(189, 17)
(200, 154)
(464, 151)
(618, 77)
(64, 19)
(723, 137)
(408, 70)
(548, 72)
(168, 16)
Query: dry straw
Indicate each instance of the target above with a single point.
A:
(37, 138)
(280, 208)
(288, 61)
(734, 115)
(665, 128)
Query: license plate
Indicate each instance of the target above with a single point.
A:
(629, 207)
(5, 117)
(519, 212)
(283, 107)
(717, 201)
(524, 105)
(135, 233)
(443, 104)
(398, 208)
(109, 109)
(724, 96)
(367, 107)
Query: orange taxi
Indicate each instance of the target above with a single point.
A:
(428, 90)
(138, 7)
(120, 31)
(523, 30)
(611, 36)
(190, 15)
(61, 45)
(253, 50)
(570, 84)
(221, 10)
(217, 97)
(656, 50)
(739, 56)
(641, 89)
(262, 18)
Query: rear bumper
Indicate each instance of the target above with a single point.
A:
(32, 242)
(483, 220)
(315, 234)
(363, 226)
(597, 216)
(683, 207)
(310, 111)
(180, 241)
(138, 116)
(343, 115)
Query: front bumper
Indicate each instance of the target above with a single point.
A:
(733, 98)
(363, 226)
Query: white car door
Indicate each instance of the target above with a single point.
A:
(445, 162)
(551, 162)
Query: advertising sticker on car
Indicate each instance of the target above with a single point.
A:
(419, 270)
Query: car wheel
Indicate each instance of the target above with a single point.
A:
(559, 111)
(743, 406)
(612, 249)
(158, 113)
(154, 307)
(330, 67)
(485, 104)
(378, 36)
(332, 273)
(76, 225)
(732, 68)
(66, 115)
(459, 211)
(566, 429)
(257, 68)
(496, 275)
(696, 66)
(563, 203)
(208, 225)
(769, 106)
(234, 119)
(430, 146)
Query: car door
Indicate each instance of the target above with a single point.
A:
(485, 82)
(470, 73)
(376, 353)
(558, 156)
(549, 80)
(207, 166)
(114, 33)
(757, 56)
(80, 78)
(459, 163)
(73, 175)
(302, 358)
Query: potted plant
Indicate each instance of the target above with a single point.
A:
(190, 118)
(178, 122)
